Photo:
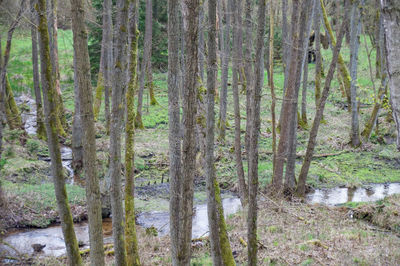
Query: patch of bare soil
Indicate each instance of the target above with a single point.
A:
(295, 233)
(384, 214)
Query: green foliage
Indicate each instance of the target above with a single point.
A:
(2, 163)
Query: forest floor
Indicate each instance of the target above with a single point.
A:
(289, 232)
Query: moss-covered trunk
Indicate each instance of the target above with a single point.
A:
(49, 95)
(132, 250)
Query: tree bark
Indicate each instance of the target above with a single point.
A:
(237, 65)
(224, 72)
(255, 128)
(344, 72)
(271, 77)
(355, 30)
(103, 79)
(304, 30)
(301, 186)
(53, 34)
(391, 18)
(117, 115)
(40, 129)
(174, 136)
(290, 99)
(82, 69)
(132, 249)
(248, 66)
(209, 149)
(146, 64)
(318, 58)
(191, 18)
(50, 110)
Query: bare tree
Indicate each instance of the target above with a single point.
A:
(391, 18)
(254, 133)
(82, 69)
(117, 114)
(355, 30)
(301, 186)
(132, 249)
(191, 18)
(104, 76)
(271, 77)
(226, 49)
(237, 65)
(40, 129)
(50, 110)
(146, 64)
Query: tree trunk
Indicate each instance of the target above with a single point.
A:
(355, 29)
(40, 129)
(77, 132)
(50, 110)
(6, 96)
(117, 115)
(109, 65)
(82, 69)
(53, 34)
(224, 72)
(255, 128)
(344, 72)
(391, 18)
(202, 50)
(191, 18)
(248, 66)
(146, 63)
(174, 137)
(271, 78)
(237, 64)
(318, 58)
(290, 96)
(304, 31)
(301, 186)
(103, 81)
(132, 249)
(212, 67)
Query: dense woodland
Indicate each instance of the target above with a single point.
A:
(219, 132)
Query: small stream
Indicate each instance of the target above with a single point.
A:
(53, 239)
(29, 121)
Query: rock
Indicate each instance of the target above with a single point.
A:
(38, 247)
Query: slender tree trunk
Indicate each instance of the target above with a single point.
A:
(132, 249)
(304, 29)
(82, 69)
(50, 109)
(318, 58)
(53, 34)
(255, 128)
(77, 132)
(237, 63)
(355, 29)
(209, 149)
(248, 66)
(191, 18)
(391, 18)
(146, 63)
(344, 72)
(117, 114)
(290, 96)
(103, 82)
(202, 50)
(10, 108)
(304, 121)
(174, 137)
(301, 186)
(271, 77)
(224, 70)
(40, 129)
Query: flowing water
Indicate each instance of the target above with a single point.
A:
(53, 239)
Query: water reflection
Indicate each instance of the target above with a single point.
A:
(338, 195)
